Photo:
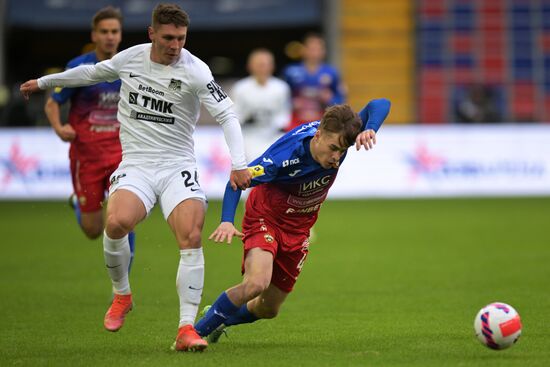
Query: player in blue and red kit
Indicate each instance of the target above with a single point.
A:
(291, 180)
(92, 127)
(314, 84)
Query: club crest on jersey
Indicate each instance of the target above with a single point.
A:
(175, 84)
(268, 238)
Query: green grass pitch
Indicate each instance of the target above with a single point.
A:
(387, 283)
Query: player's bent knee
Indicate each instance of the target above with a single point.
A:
(92, 229)
(192, 240)
(117, 227)
(93, 233)
(195, 239)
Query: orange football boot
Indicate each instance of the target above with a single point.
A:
(114, 318)
(188, 340)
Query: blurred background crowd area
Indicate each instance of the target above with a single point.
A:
(438, 61)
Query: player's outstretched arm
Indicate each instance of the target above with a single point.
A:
(373, 116)
(374, 113)
(28, 88)
(79, 76)
(226, 230)
(229, 207)
(225, 233)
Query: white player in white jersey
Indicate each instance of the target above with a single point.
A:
(163, 86)
(262, 102)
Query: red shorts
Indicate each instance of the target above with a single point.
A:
(289, 250)
(91, 182)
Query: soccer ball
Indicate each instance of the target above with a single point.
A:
(497, 325)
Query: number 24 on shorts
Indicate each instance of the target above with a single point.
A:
(190, 179)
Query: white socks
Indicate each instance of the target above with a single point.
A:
(117, 259)
(189, 282)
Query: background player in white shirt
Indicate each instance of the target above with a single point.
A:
(262, 103)
(163, 86)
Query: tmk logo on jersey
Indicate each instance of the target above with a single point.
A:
(315, 184)
(290, 162)
(150, 103)
(216, 91)
(175, 84)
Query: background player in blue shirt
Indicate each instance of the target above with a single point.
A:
(314, 84)
(290, 182)
(92, 127)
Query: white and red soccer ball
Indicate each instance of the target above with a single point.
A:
(497, 325)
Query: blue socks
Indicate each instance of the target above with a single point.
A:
(223, 311)
(220, 311)
(242, 316)
(76, 207)
(132, 241)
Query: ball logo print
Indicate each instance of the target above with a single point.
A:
(498, 326)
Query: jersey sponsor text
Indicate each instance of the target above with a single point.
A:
(151, 103)
(313, 186)
(149, 89)
(152, 118)
(216, 91)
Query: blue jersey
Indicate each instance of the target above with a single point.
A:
(312, 92)
(288, 183)
(93, 115)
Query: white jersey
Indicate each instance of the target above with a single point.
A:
(159, 104)
(264, 109)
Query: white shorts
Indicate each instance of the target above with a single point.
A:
(170, 184)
